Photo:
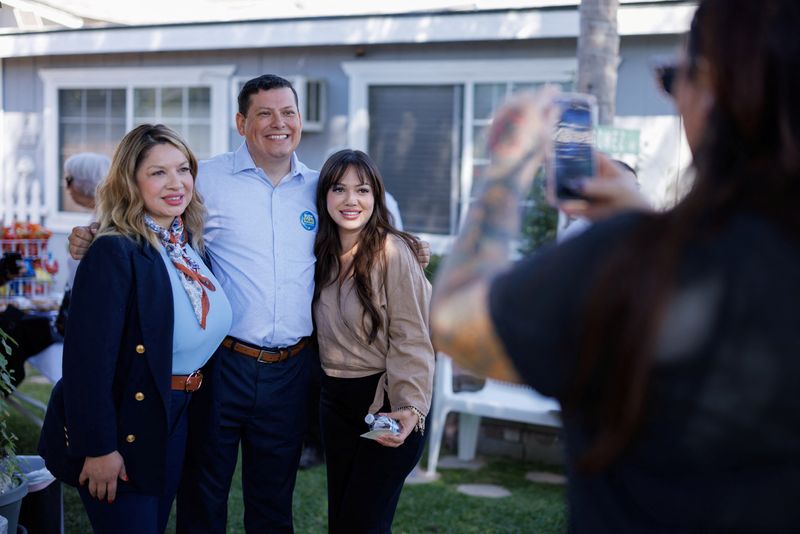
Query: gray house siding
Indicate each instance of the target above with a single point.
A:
(23, 88)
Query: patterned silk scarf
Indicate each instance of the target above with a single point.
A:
(195, 284)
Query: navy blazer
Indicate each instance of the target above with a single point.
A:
(117, 367)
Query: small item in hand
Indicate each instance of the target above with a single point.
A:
(380, 425)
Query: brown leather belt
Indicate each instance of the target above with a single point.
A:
(264, 355)
(188, 383)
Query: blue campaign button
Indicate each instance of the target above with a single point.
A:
(308, 220)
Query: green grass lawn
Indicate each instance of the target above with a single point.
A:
(435, 507)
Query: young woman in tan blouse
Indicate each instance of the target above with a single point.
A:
(371, 303)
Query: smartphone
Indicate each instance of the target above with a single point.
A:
(572, 159)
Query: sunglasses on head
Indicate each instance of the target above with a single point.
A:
(666, 75)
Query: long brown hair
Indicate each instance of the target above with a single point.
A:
(371, 240)
(748, 159)
(120, 208)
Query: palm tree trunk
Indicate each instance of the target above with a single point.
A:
(598, 55)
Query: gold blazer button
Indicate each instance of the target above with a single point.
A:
(139, 396)
(140, 349)
(130, 438)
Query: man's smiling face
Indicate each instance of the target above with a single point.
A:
(272, 126)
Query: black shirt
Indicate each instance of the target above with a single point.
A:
(719, 447)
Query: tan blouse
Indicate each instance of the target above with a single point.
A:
(402, 349)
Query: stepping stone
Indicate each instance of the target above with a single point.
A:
(543, 477)
(452, 462)
(421, 476)
(37, 379)
(489, 491)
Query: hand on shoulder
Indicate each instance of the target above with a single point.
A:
(80, 239)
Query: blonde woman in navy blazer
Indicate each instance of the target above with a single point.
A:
(145, 317)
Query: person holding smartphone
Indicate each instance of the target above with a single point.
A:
(672, 351)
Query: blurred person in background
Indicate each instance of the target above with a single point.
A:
(671, 339)
(83, 172)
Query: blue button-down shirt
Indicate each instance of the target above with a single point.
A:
(192, 346)
(261, 242)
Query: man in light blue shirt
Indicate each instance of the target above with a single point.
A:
(260, 232)
(260, 237)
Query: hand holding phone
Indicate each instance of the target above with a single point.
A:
(612, 191)
(519, 138)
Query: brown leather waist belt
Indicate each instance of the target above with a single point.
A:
(264, 355)
(188, 383)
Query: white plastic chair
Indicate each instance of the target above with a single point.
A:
(497, 399)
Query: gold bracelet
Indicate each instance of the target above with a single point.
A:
(420, 426)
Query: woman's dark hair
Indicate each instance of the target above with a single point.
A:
(371, 240)
(748, 159)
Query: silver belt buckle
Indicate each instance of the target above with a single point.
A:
(261, 353)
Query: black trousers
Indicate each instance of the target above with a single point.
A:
(364, 477)
(263, 408)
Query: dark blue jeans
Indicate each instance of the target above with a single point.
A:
(136, 513)
(262, 406)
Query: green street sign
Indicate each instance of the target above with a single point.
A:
(617, 140)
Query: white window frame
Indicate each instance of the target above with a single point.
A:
(364, 74)
(217, 77)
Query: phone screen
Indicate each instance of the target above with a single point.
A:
(573, 158)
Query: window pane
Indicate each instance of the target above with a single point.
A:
(199, 102)
(199, 140)
(144, 103)
(171, 102)
(478, 171)
(313, 101)
(138, 121)
(487, 97)
(96, 103)
(96, 139)
(118, 99)
(116, 132)
(70, 102)
(96, 120)
(90, 120)
(414, 139)
(479, 134)
(178, 127)
(71, 139)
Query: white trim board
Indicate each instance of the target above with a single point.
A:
(511, 25)
(217, 77)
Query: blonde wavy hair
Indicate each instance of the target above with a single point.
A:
(120, 207)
